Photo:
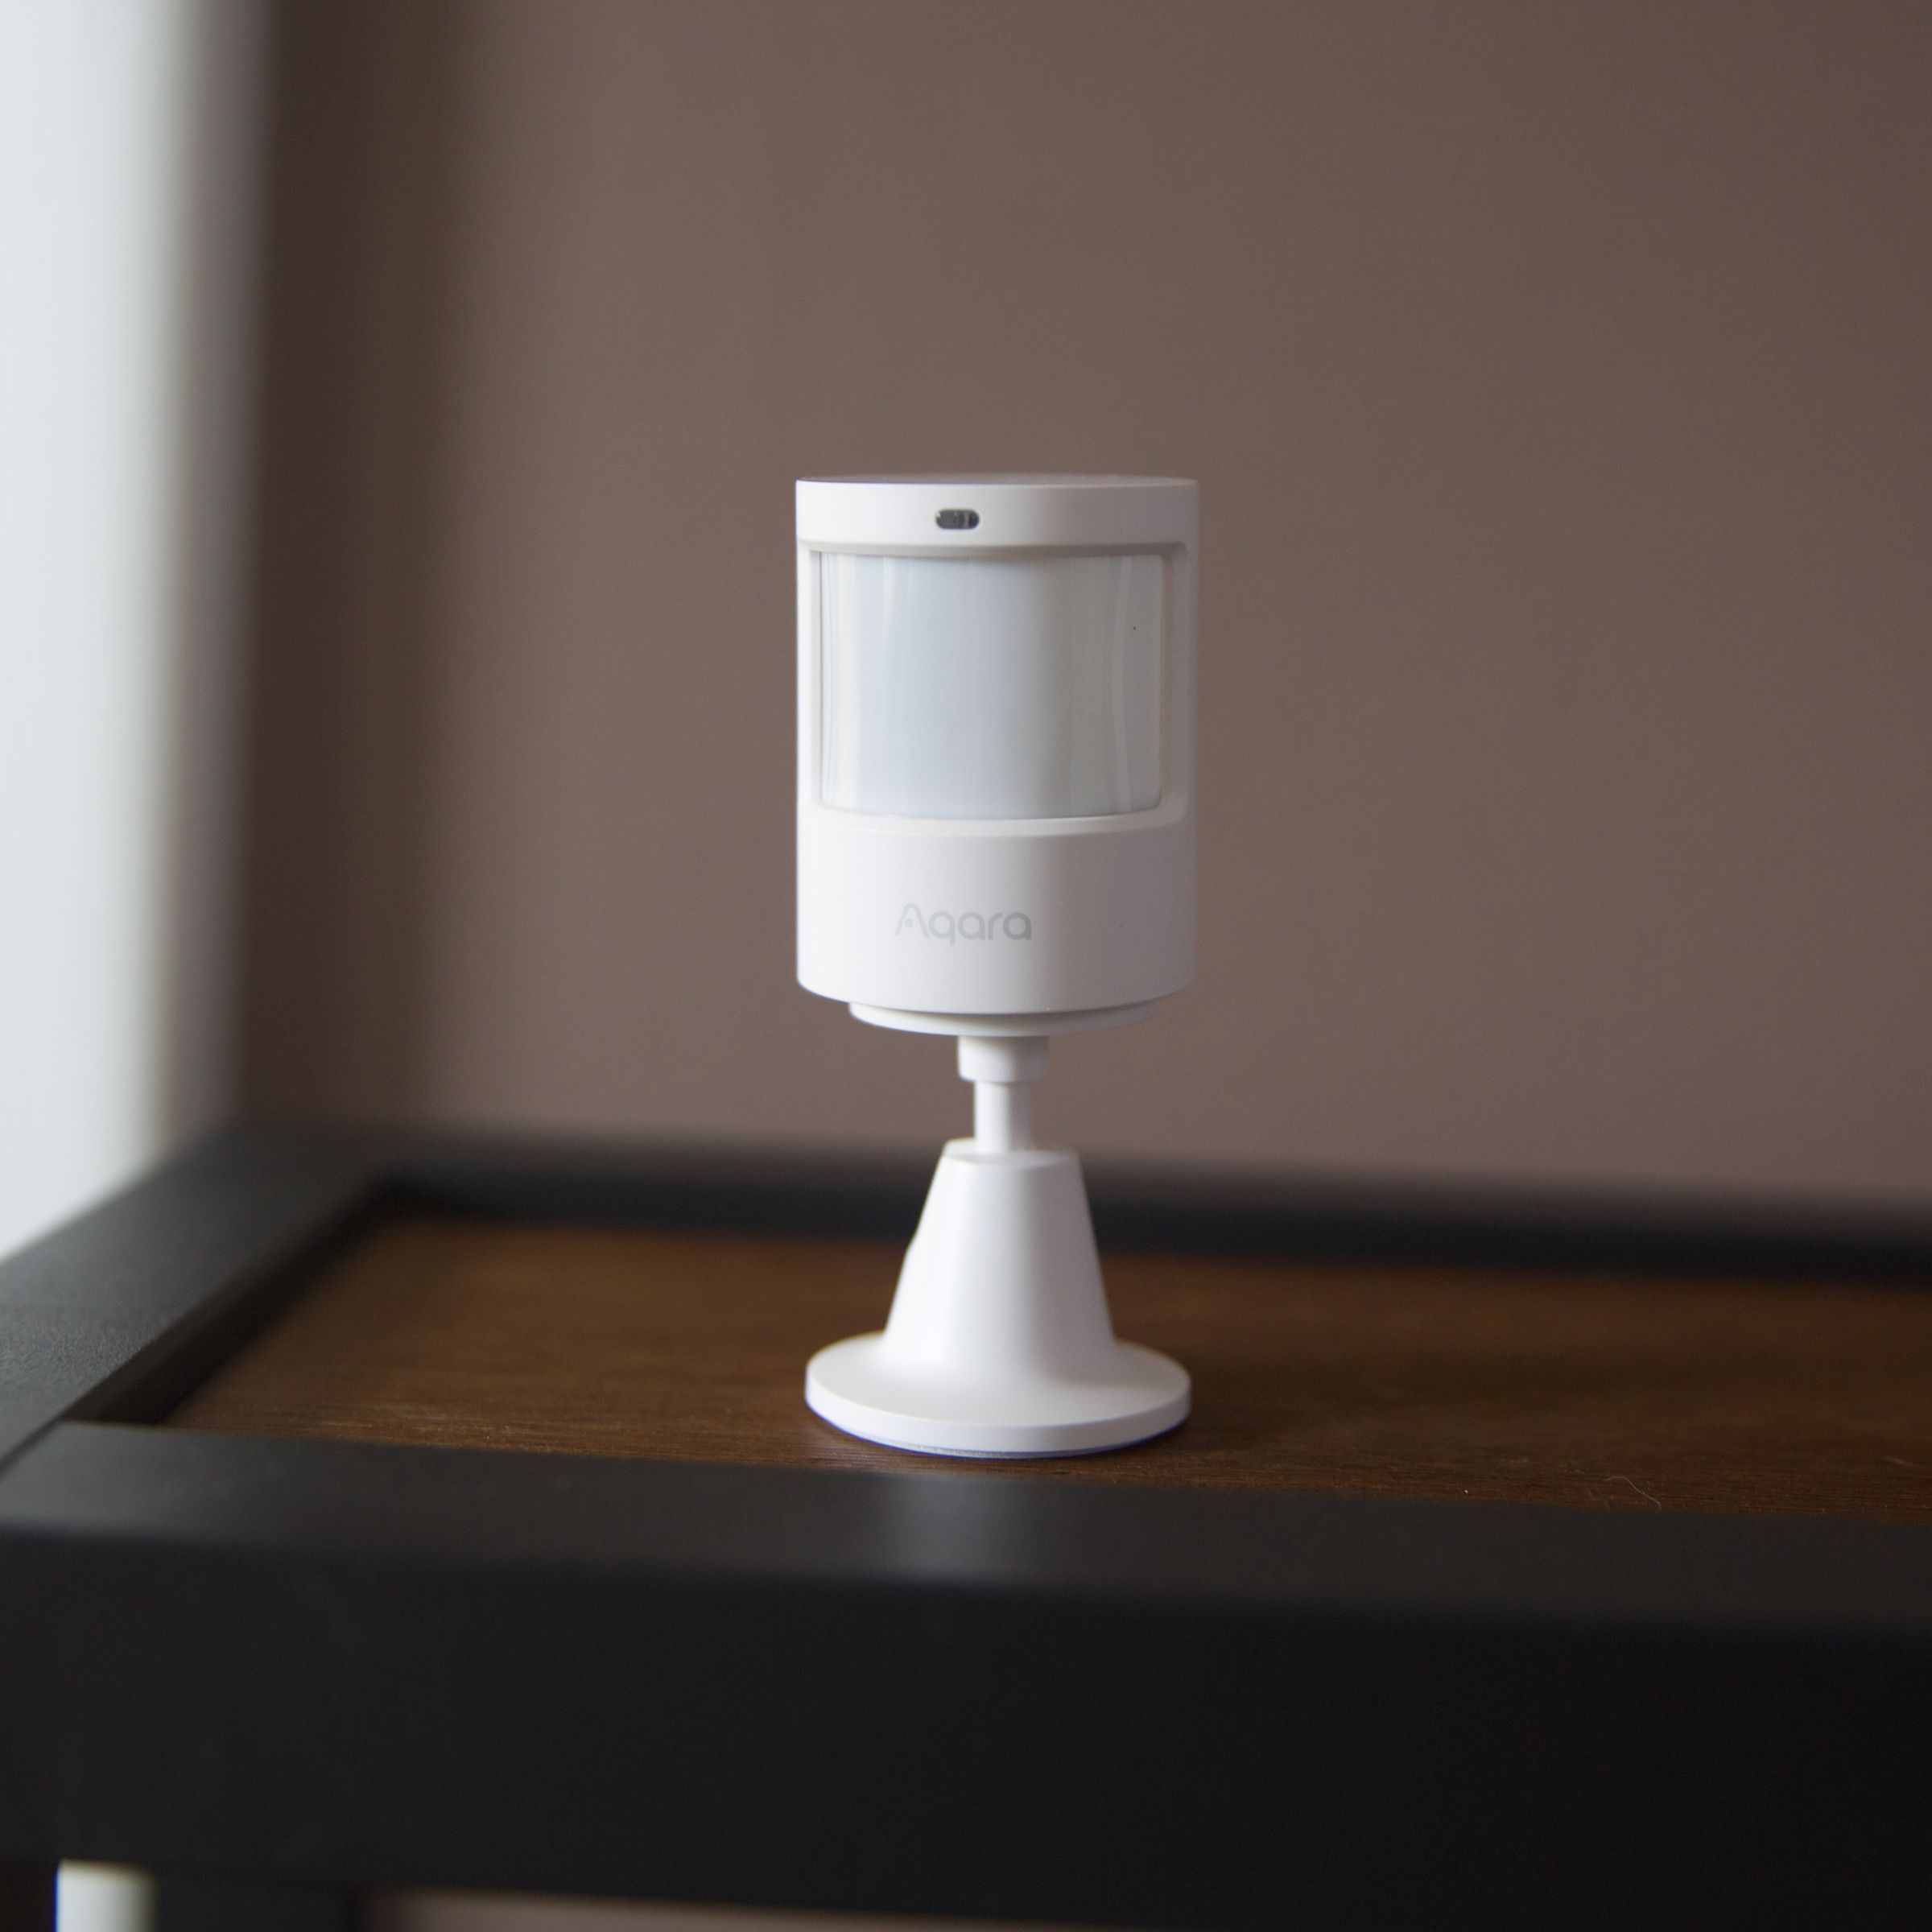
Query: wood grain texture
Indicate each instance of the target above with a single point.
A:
(1583, 1390)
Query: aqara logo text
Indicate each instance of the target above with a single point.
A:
(952, 927)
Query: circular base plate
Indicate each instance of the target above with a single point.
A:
(857, 1386)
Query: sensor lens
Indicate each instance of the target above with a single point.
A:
(978, 687)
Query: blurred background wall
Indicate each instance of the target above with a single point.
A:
(1557, 381)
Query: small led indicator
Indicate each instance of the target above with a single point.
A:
(958, 519)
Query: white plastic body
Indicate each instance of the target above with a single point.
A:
(1001, 929)
(990, 918)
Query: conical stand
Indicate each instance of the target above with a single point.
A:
(999, 1342)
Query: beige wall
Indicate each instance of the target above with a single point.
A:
(1557, 380)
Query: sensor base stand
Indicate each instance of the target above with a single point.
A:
(999, 1342)
(857, 1387)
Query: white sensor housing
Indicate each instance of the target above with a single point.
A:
(995, 746)
(996, 840)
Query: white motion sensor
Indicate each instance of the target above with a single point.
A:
(996, 841)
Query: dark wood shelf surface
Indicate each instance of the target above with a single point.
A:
(1578, 1390)
(678, 1650)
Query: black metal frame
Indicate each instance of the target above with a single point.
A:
(315, 1664)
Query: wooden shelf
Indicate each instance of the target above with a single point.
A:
(493, 1547)
(1583, 1390)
